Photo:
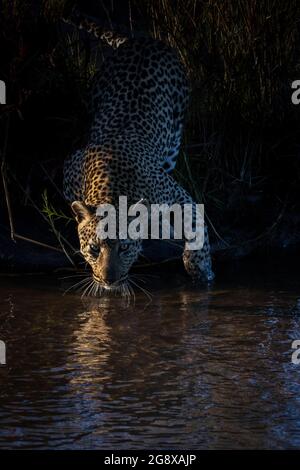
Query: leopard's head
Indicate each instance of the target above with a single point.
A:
(110, 259)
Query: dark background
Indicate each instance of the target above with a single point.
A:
(240, 154)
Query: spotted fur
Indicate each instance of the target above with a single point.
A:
(138, 103)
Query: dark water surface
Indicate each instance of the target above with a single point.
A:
(197, 368)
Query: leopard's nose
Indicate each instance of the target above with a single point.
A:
(110, 279)
(110, 276)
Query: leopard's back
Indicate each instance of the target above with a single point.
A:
(137, 105)
(140, 97)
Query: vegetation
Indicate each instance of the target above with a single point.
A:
(241, 146)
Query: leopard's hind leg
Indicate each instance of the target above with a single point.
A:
(180, 99)
(173, 151)
(197, 261)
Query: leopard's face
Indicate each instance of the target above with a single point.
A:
(110, 260)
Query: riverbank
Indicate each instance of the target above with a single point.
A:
(42, 252)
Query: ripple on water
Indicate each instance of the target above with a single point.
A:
(196, 368)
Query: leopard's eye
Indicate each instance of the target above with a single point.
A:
(124, 246)
(94, 249)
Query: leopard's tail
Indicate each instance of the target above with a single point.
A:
(113, 38)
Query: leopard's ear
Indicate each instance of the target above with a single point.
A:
(81, 211)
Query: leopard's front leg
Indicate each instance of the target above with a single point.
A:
(197, 262)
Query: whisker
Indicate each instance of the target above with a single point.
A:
(77, 284)
(78, 252)
(94, 291)
(83, 286)
(91, 289)
(85, 274)
(127, 292)
(97, 289)
(131, 290)
(147, 293)
(86, 289)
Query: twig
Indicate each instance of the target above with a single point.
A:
(7, 199)
(59, 237)
(13, 234)
(36, 242)
(51, 180)
(3, 173)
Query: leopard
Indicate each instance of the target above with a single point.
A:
(137, 109)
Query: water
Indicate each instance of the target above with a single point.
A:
(195, 369)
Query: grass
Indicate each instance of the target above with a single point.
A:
(242, 139)
(241, 143)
